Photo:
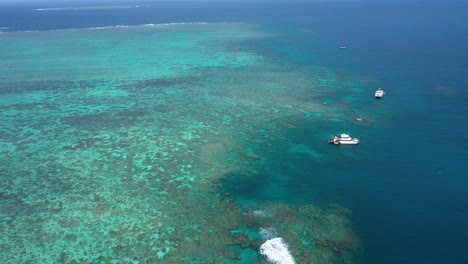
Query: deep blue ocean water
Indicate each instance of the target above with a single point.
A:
(409, 188)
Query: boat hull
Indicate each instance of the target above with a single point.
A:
(379, 93)
(349, 142)
(339, 141)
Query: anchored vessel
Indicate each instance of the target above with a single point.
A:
(379, 93)
(343, 139)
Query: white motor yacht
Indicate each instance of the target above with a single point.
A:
(343, 139)
(379, 93)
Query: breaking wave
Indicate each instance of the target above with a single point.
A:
(4, 28)
(276, 251)
(125, 26)
(144, 25)
(78, 8)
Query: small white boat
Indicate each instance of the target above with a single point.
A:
(343, 139)
(379, 93)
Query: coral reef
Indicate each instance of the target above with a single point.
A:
(112, 153)
(313, 234)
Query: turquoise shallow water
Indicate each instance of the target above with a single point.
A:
(114, 140)
(154, 143)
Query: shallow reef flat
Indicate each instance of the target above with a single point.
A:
(114, 142)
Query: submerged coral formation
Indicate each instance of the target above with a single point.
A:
(110, 152)
(312, 234)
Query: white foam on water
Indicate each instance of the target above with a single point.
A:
(179, 23)
(79, 8)
(261, 213)
(122, 26)
(143, 25)
(268, 232)
(276, 251)
(162, 25)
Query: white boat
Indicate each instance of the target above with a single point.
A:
(379, 93)
(343, 139)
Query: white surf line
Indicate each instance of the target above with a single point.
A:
(124, 26)
(89, 7)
